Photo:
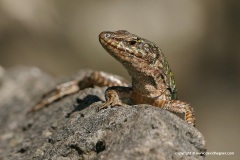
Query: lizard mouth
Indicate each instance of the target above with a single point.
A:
(113, 46)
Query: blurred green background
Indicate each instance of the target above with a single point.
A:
(200, 38)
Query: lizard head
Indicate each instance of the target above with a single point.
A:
(139, 56)
(130, 49)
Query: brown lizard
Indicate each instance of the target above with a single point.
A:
(152, 79)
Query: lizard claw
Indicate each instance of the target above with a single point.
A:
(111, 104)
(112, 99)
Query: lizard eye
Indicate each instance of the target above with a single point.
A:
(132, 43)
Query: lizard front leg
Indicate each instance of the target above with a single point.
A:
(117, 96)
(96, 78)
(166, 103)
(178, 107)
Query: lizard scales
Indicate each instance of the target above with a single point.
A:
(152, 79)
(140, 57)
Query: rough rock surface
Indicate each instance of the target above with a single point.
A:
(73, 128)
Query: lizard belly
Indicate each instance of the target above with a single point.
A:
(159, 98)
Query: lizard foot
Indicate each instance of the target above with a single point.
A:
(111, 104)
(113, 100)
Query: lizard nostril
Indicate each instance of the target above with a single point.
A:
(107, 35)
(104, 35)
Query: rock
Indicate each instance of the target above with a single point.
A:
(74, 128)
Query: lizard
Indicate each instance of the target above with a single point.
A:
(152, 79)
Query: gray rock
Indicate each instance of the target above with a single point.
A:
(74, 128)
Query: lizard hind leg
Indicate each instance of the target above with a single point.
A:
(117, 96)
(96, 78)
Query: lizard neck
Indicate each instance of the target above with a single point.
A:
(143, 84)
